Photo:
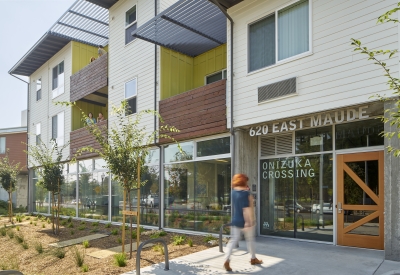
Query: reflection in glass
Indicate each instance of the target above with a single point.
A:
(214, 147)
(294, 189)
(172, 154)
(41, 198)
(197, 195)
(68, 196)
(100, 164)
(359, 134)
(314, 140)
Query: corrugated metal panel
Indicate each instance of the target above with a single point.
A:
(277, 89)
(268, 146)
(284, 144)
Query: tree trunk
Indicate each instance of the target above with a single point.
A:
(123, 220)
(11, 220)
(52, 211)
(58, 209)
(130, 219)
(138, 208)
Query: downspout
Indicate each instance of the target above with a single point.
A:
(233, 155)
(27, 139)
(160, 199)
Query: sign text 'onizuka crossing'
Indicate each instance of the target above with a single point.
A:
(325, 119)
(288, 168)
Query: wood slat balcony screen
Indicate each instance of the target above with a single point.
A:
(90, 79)
(196, 113)
(81, 138)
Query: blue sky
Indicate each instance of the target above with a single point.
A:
(22, 23)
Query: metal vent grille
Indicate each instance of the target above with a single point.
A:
(284, 144)
(277, 89)
(267, 146)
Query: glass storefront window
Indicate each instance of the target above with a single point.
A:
(213, 147)
(314, 140)
(153, 157)
(294, 189)
(100, 164)
(197, 195)
(172, 154)
(68, 196)
(85, 166)
(359, 134)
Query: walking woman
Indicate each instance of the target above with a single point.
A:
(242, 219)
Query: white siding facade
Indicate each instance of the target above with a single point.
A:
(43, 110)
(329, 77)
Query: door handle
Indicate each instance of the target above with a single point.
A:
(339, 207)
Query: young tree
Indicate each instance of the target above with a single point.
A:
(124, 149)
(47, 161)
(8, 179)
(377, 56)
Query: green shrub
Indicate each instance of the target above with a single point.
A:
(82, 227)
(114, 231)
(72, 232)
(28, 218)
(85, 268)
(209, 237)
(70, 225)
(69, 219)
(178, 240)
(39, 247)
(19, 238)
(36, 218)
(134, 234)
(85, 243)
(30, 222)
(158, 234)
(3, 232)
(10, 234)
(190, 242)
(43, 225)
(25, 245)
(95, 224)
(108, 225)
(94, 230)
(83, 222)
(63, 223)
(159, 248)
(17, 228)
(58, 252)
(78, 256)
(119, 240)
(18, 218)
(48, 221)
(120, 259)
(34, 223)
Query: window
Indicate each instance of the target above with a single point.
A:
(58, 80)
(38, 89)
(38, 136)
(57, 128)
(214, 147)
(271, 40)
(130, 96)
(2, 145)
(216, 77)
(130, 24)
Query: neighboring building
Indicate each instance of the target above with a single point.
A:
(303, 124)
(13, 139)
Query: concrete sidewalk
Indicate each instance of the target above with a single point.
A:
(283, 257)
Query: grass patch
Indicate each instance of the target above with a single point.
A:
(159, 248)
(120, 259)
(17, 228)
(19, 238)
(209, 237)
(158, 234)
(178, 239)
(108, 225)
(64, 223)
(58, 252)
(69, 219)
(10, 234)
(78, 256)
(43, 225)
(85, 268)
(70, 225)
(83, 222)
(95, 224)
(190, 242)
(3, 232)
(39, 247)
(82, 227)
(72, 232)
(85, 244)
(25, 245)
(114, 232)
(119, 240)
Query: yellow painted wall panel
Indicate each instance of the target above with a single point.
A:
(77, 123)
(81, 54)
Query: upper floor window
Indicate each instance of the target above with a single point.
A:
(38, 89)
(130, 24)
(57, 128)
(2, 145)
(130, 96)
(58, 80)
(281, 35)
(38, 135)
(216, 77)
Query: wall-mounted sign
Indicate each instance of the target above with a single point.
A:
(318, 120)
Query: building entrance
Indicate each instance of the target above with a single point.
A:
(360, 199)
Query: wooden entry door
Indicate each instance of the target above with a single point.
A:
(360, 199)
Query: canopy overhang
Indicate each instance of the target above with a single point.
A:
(84, 22)
(191, 27)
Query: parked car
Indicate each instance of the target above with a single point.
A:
(328, 208)
(152, 200)
(289, 205)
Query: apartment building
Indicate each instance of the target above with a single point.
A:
(272, 89)
(12, 143)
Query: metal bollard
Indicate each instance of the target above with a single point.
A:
(140, 250)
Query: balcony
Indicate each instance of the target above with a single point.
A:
(81, 138)
(90, 83)
(198, 112)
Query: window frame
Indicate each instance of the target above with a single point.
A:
(131, 24)
(38, 91)
(136, 96)
(5, 145)
(60, 88)
(38, 133)
(59, 136)
(288, 59)
(223, 71)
